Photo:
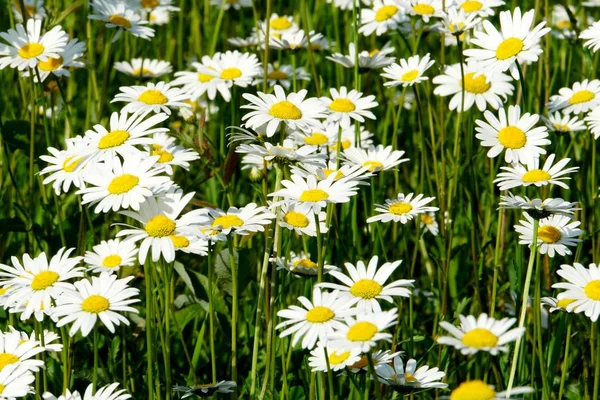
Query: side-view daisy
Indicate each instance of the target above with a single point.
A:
(482, 8)
(408, 72)
(561, 124)
(376, 159)
(300, 218)
(70, 57)
(532, 174)
(583, 97)
(409, 378)
(403, 208)
(118, 15)
(65, 166)
(240, 221)
(322, 356)
(144, 67)
(555, 234)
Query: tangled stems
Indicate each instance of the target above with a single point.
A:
(532, 258)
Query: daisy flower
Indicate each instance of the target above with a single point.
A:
(515, 43)
(477, 389)
(482, 8)
(235, 4)
(426, 9)
(104, 393)
(480, 89)
(233, 68)
(345, 105)
(38, 283)
(196, 83)
(294, 41)
(562, 124)
(410, 378)
(514, 133)
(149, 5)
(28, 47)
(206, 390)
(33, 8)
(376, 159)
(48, 338)
(337, 359)
(160, 218)
(15, 382)
(68, 58)
(316, 320)
(408, 72)
(302, 265)
(532, 174)
(65, 167)
(240, 221)
(144, 67)
(279, 25)
(104, 297)
(583, 97)
(287, 153)
(384, 16)
(379, 357)
(375, 59)
(293, 110)
(170, 155)
(555, 234)
(365, 285)
(117, 15)
(349, 172)
(582, 292)
(126, 131)
(19, 353)
(555, 304)
(110, 256)
(299, 217)
(591, 35)
(282, 76)
(562, 27)
(428, 222)
(363, 331)
(121, 186)
(481, 334)
(538, 208)
(593, 122)
(157, 98)
(190, 244)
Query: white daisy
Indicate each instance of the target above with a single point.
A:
(410, 378)
(322, 356)
(15, 382)
(33, 8)
(562, 124)
(302, 265)
(482, 8)
(20, 353)
(240, 221)
(555, 304)
(235, 4)
(233, 68)
(68, 58)
(426, 9)
(118, 15)
(477, 389)
(345, 105)
(350, 172)
(582, 292)
(300, 218)
(376, 159)
(48, 339)
(375, 59)
(206, 390)
(379, 357)
(562, 27)
(169, 154)
(110, 256)
(408, 71)
(283, 75)
(555, 234)
(591, 35)
(65, 166)
(384, 16)
(105, 393)
(157, 98)
(190, 244)
(363, 331)
(583, 97)
(428, 222)
(514, 133)
(481, 334)
(293, 41)
(593, 122)
(531, 174)
(28, 47)
(538, 208)
(293, 110)
(402, 209)
(196, 83)
(286, 153)
(279, 25)
(144, 67)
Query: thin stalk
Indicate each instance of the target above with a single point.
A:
(95, 371)
(597, 367)
(149, 332)
(234, 312)
(319, 249)
(565, 363)
(374, 375)
(211, 315)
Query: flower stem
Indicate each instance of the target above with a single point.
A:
(565, 364)
(234, 312)
(319, 249)
(374, 375)
(211, 316)
(95, 372)
(149, 333)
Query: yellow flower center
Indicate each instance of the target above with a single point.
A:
(385, 13)
(113, 139)
(410, 76)
(149, 3)
(2, 387)
(285, 110)
(373, 52)
(277, 75)
(400, 208)
(564, 24)
(31, 50)
(95, 304)
(536, 175)
(361, 332)
(342, 105)
(427, 219)
(7, 359)
(305, 263)
(366, 288)
(44, 280)
(319, 315)
(471, 6)
(592, 290)
(328, 172)
(280, 23)
(410, 378)
(165, 156)
(112, 261)
(314, 195)
(205, 77)
(583, 96)
(549, 234)
(123, 184)
(316, 139)
(160, 226)
(512, 137)
(120, 21)
(473, 390)
(476, 85)
(228, 221)
(373, 166)
(338, 358)
(423, 9)
(180, 242)
(69, 166)
(51, 64)
(509, 48)
(296, 219)
(480, 338)
(231, 73)
(153, 97)
(563, 303)
(561, 127)
(4, 290)
(141, 71)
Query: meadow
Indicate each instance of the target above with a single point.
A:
(341, 199)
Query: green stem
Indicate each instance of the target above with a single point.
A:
(597, 367)
(374, 375)
(319, 249)
(234, 312)
(149, 332)
(95, 372)
(211, 315)
(565, 364)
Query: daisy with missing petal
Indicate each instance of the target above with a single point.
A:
(425, 9)
(584, 96)
(591, 35)
(170, 155)
(555, 304)
(380, 357)
(363, 331)
(345, 105)
(104, 298)
(410, 378)
(513, 133)
(376, 159)
(481, 334)
(477, 389)
(70, 57)
(206, 390)
(294, 41)
(110, 256)
(384, 16)
(428, 222)
(240, 221)
(582, 292)
(301, 265)
(144, 67)
(157, 98)
(409, 72)
(367, 60)
(283, 76)
(286, 153)
(555, 234)
(402, 209)
(538, 208)
(300, 218)
(316, 320)
(293, 110)
(117, 15)
(48, 339)
(65, 166)
(28, 47)
(15, 382)
(364, 285)
(482, 8)
(561, 124)
(322, 356)
(531, 174)
(480, 89)
(515, 43)
(121, 186)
